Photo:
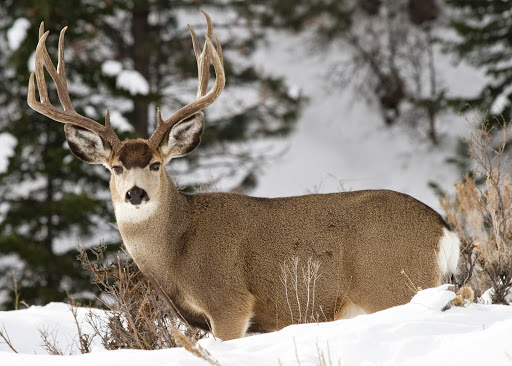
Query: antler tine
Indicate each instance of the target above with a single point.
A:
(219, 49)
(68, 114)
(203, 58)
(203, 99)
(41, 82)
(197, 50)
(41, 30)
(203, 65)
(61, 71)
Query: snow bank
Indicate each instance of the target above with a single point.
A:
(24, 327)
(417, 333)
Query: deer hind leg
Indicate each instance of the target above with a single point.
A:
(232, 320)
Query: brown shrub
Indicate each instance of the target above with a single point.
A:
(481, 213)
(140, 315)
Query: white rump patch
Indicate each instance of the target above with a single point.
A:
(449, 250)
(126, 212)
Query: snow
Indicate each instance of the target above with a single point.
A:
(501, 102)
(119, 122)
(133, 82)
(129, 80)
(31, 63)
(24, 326)
(111, 68)
(90, 111)
(294, 92)
(7, 144)
(17, 33)
(417, 333)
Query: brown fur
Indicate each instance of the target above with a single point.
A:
(135, 154)
(219, 255)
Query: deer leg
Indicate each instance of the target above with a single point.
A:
(232, 321)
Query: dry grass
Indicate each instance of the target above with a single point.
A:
(299, 285)
(464, 296)
(481, 213)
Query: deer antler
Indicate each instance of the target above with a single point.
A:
(202, 100)
(68, 114)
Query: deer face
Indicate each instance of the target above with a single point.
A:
(135, 174)
(137, 170)
(135, 184)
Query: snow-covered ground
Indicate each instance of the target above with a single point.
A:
(417, 333)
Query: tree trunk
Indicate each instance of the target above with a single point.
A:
(48, 278)
(140, 54)
(433, 106)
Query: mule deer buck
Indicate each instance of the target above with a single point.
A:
(220, 256)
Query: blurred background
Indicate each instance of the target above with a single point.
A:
(321, 96)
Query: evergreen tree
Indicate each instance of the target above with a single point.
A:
(485, 40)
(48, 196)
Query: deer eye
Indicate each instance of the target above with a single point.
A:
(117, 169)
(154, 166)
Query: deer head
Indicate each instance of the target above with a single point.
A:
(136, 165)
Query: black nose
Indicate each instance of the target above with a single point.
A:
(136, 195)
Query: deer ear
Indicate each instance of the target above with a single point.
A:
(183, 137)
(87, 145)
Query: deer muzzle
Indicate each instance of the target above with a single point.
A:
(136, 195)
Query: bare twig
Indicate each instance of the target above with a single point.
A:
(50, 343)
(410, 285)
(7, 340)
(16, 292)
(84, 340)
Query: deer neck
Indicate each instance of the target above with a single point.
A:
(149, 237)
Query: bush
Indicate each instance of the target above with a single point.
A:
(141, 315)
(481, 213)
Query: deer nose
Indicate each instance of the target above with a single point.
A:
(136, 195)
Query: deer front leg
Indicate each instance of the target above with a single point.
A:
(233, 320)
